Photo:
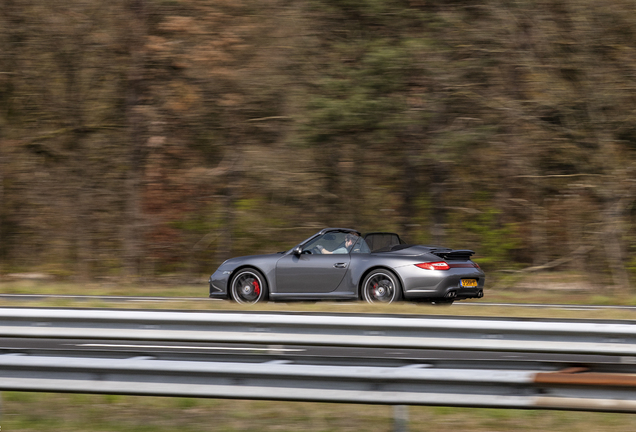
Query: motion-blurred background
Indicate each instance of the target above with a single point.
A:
(151, 137)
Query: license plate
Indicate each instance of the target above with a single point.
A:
(469, 282)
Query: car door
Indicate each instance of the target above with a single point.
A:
(308, 274)
(318, 268)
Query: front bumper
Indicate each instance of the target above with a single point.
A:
(218, 284)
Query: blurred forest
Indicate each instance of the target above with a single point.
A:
(150, 137)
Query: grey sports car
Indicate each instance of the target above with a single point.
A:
(341, 264)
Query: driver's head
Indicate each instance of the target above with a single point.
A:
(350, 239)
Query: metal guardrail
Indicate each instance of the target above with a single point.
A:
(527, 335)
(410, 385)
(417, 384)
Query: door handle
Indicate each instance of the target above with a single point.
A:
(340, 265)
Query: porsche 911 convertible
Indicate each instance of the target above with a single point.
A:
(341, 264)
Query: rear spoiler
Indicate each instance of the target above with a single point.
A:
(449, 254)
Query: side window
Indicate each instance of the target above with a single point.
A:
(330, 241)
(361, 247)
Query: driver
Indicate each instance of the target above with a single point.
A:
(350, 240)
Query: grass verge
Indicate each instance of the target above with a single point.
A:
(81, 412)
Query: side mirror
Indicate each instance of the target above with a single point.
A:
(297, 250)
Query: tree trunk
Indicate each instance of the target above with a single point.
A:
(132, 227)
(612, 241)
(437, 192)
(9, 40)
(409, 189)
(539, 236)
(229, 194)
(2, 210)
(70, 58)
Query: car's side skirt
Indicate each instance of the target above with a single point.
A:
(310, 296)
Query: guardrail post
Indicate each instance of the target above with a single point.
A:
(400, 418)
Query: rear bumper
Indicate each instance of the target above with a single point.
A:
(422, 284)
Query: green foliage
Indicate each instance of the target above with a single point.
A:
(495, 241)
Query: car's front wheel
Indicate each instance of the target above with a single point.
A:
(381, 286)
(248, 287)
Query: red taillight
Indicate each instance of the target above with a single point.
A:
(476, 265)
(439, 265)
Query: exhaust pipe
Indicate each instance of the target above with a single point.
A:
(451, 294)
(480, 294)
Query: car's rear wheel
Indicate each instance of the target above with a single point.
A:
(248, 287)
(381, 286)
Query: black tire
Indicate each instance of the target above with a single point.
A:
(381, 286)
(248, 286)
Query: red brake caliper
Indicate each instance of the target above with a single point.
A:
(375, 290)
(257, 287)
